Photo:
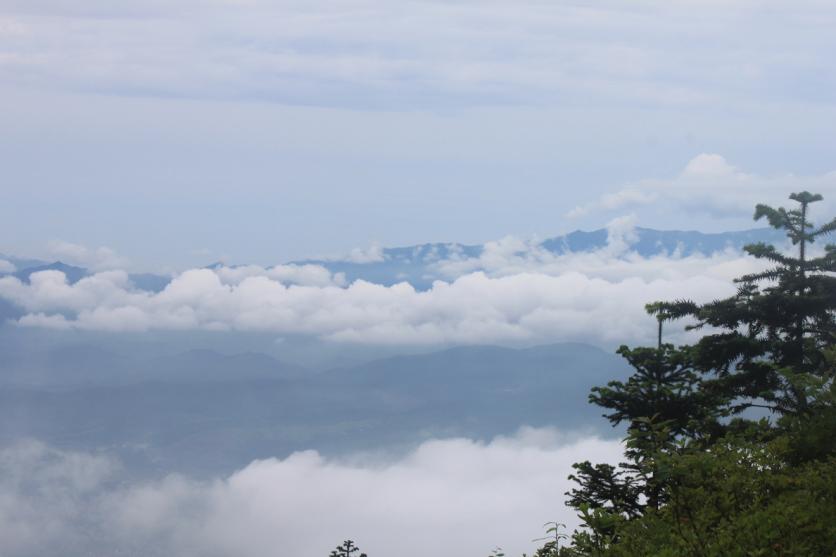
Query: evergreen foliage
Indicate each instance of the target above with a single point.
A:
(701, 476)
(771, 335)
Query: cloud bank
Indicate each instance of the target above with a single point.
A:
(98, 259)
(447, 497)
(710, 184)
(515, 292)
(307, 275)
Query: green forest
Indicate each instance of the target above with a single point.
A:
(730, 445)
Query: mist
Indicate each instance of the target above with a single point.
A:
(446, 497)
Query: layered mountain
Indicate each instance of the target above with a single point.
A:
(206, 412)
(419, 264)
(79, 365)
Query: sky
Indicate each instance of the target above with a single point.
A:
(173, 134)
(162, 135)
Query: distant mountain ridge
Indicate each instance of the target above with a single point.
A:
(204, 411)
(650, 242)
(84, 364)
(414, 264)
(73, 273)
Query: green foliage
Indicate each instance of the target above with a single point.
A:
(553, 539)
(739, 498)
(772, 334)
(698, 478)
(603, 486)
(665, 386)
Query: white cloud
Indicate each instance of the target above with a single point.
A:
(372, 254)
(7, 266)
(613, 263)
(710, 184)
(309, 275)
(363, 51)
(98, 259)
(621, 234)
(447, 497)
(42, 495)
(709, 165)
(515, 292)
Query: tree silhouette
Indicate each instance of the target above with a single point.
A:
(347, 549)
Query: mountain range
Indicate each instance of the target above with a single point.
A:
(416, 264)
(192, 404)
(205, 412)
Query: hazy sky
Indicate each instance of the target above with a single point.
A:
(179, 132)
(162, 135)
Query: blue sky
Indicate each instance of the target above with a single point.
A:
(181, 132)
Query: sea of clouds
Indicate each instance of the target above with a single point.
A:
(445, 497)
(514, 292)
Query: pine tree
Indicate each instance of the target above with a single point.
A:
(768, 350)
(604, 486)
(664, 386)
(695, 483)
(662, 395)
(347, 549)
